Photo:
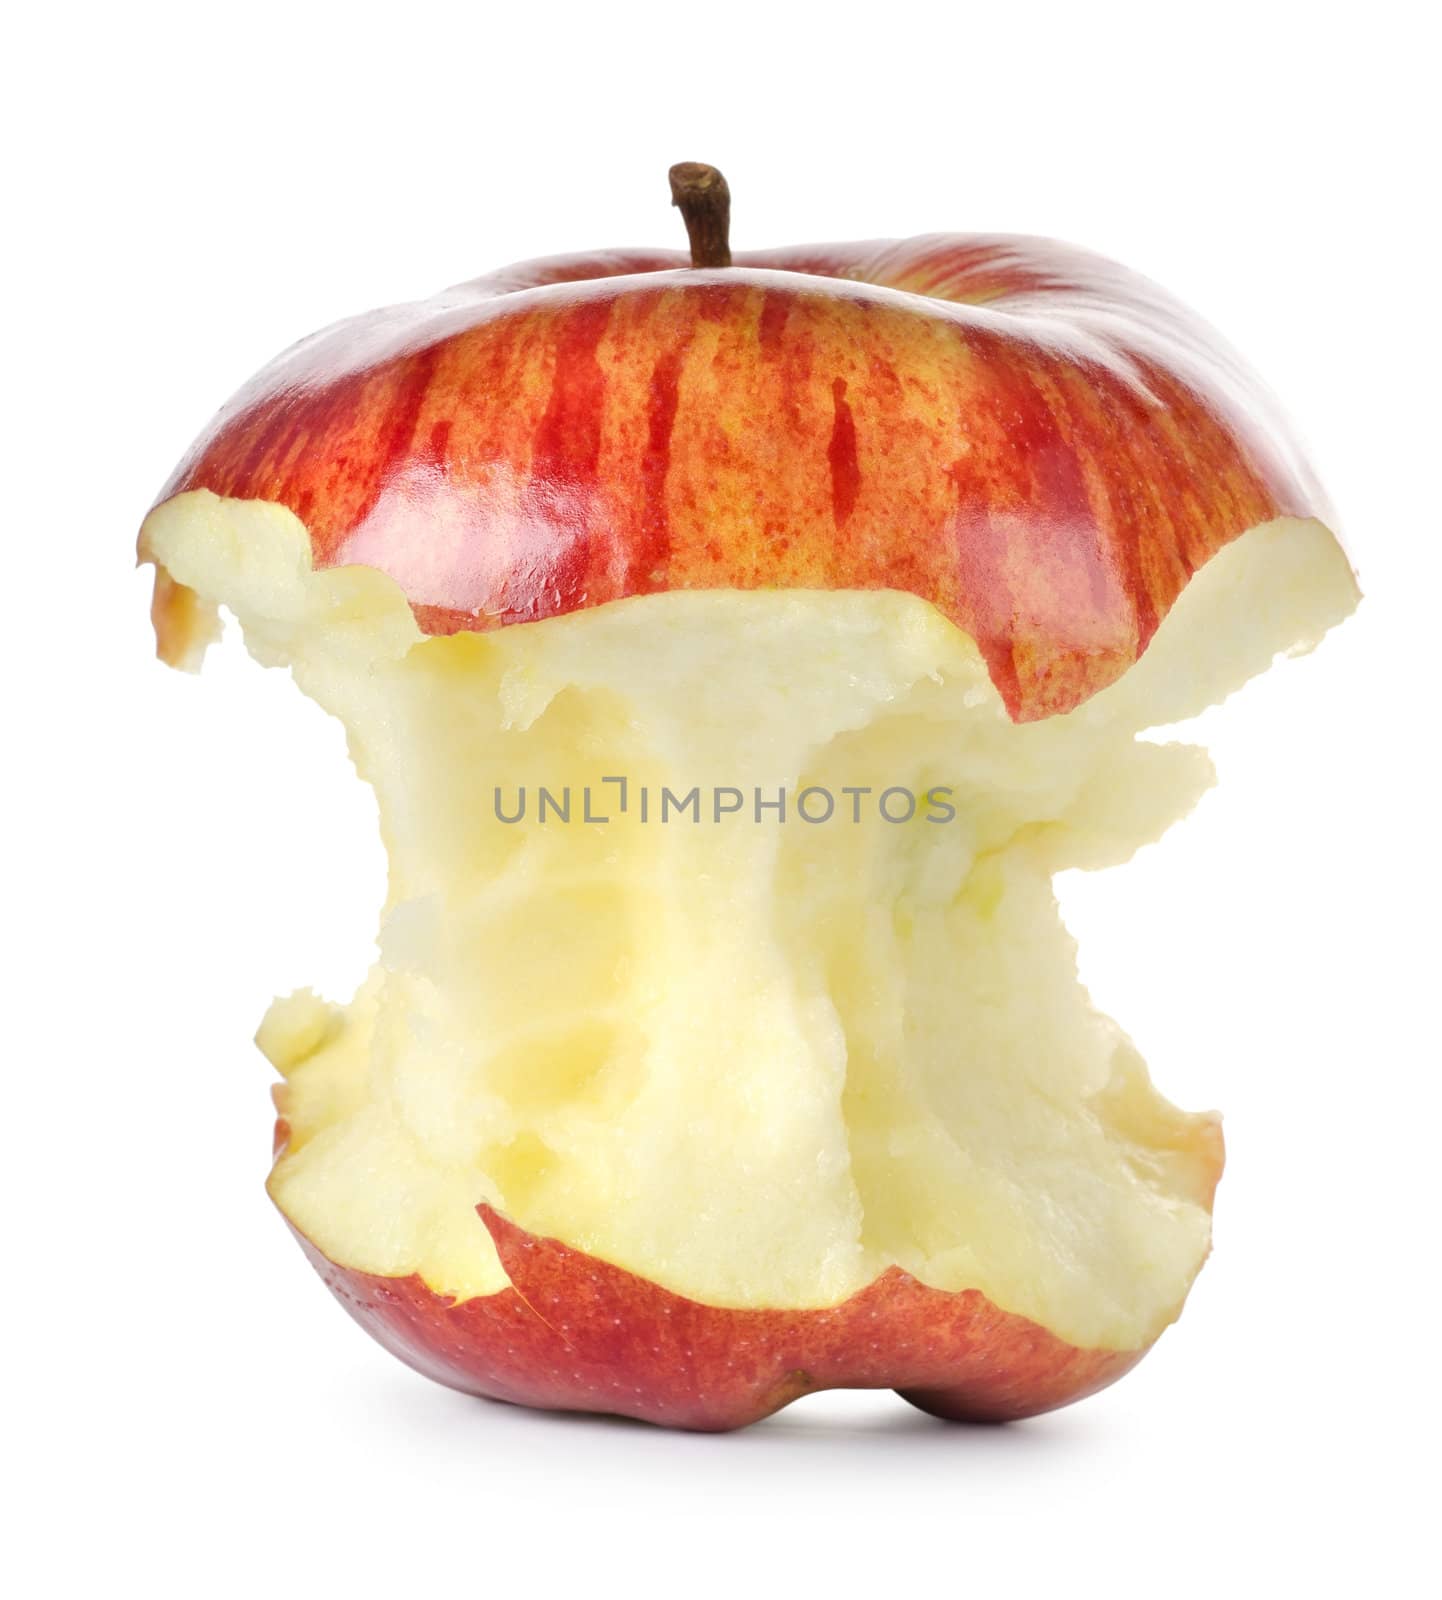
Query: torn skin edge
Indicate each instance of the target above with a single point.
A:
(185, 624)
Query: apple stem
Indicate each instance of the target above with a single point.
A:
(705, 203)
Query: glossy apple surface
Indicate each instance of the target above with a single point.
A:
(1040, 443)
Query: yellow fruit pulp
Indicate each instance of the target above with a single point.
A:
(757, 1061)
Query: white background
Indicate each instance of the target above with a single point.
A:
(192, 187)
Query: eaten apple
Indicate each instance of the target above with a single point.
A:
(682, 1118)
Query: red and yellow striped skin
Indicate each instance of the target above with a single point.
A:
(1038, 442)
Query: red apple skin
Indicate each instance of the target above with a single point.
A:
(1040, 443)
(574, 1333)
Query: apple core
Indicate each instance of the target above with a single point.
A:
(958, 515)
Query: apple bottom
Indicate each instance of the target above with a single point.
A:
(574, 1333)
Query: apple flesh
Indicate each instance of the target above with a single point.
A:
(915, 1124)
(684, 1120)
